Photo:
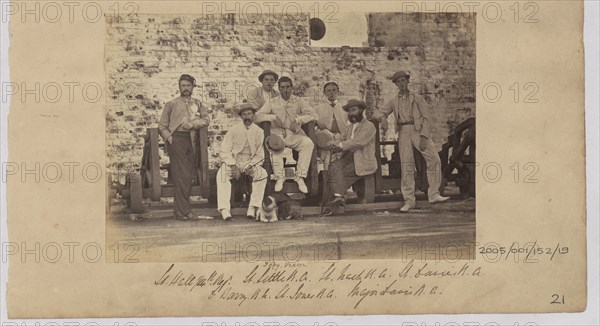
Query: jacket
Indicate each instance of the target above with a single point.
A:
(255, 96)
(420, 113)
(175, 113)
(294, 107)
(326, 114)
(362, 145)
(234, 142)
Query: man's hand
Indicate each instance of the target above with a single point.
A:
(278, 122)
(384, 125)
(187, 125)
(423, 143)
(334, 147)
(170, 140)
(295, 125)
(235, 172)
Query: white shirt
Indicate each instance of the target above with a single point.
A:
(266, 95)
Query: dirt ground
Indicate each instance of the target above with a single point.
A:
(379, 231)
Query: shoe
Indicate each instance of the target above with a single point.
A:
(251, 213)
(438, 199)
(407, 207)
(338, 200)
(226, 214)
(301, 185)
(279, 184)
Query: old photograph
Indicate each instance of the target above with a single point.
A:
(288, 137)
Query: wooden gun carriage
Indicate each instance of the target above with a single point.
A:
(457, 156)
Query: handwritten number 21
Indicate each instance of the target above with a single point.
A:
(558, 299)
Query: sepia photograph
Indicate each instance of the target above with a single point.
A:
(355, 133)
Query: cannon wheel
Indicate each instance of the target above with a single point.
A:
(134, 201)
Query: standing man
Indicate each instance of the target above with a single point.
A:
(287, 113)
(358, 158)
(260, 95)
(178, 123)
(242, 152)
(413, 125)
(332, 119)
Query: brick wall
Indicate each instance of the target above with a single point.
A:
(146, 54)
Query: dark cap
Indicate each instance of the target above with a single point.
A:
(399, 74)
(267, 72)
(352, 103)
(188, 78)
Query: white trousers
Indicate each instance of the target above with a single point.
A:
(224, 176)
(408, 138)
(304, 146)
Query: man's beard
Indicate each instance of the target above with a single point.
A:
(355, 118)
(248, 121)
(186, 93)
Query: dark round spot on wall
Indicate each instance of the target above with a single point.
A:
(317, 29)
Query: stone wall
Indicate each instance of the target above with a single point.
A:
(145, 55)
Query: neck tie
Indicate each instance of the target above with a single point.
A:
(334, 126)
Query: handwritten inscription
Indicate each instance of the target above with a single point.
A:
(295, 282)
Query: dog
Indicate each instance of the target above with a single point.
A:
(287, 208)
(267, 213)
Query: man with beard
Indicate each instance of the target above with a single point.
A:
(178, 123)
(260, 95)
(287, 113)
(332, 119)
(358, 153)
(413, 125)
(242, 152)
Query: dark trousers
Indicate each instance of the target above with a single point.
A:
(342, 174)
(181, 154)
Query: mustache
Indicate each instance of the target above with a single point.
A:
(247, 120)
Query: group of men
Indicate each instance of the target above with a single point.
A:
(347, 147)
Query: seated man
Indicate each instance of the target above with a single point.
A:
(332, 119)
(242, 152)
(288, 113)
(358, 153)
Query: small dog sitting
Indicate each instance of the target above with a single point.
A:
(287, 208)
(268, 211)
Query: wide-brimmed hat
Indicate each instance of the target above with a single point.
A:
(275, 144)
(352, 103)
(267, 72)
(399, 74)
(323, 138)
(243, 107)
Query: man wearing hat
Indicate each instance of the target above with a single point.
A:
(242, 152)
(178, 123)
(358, 153)
(332, 121)
(265, 93)
(287, 113)
(413, 125)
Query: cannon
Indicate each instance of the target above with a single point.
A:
(146, 183)
(458, 158)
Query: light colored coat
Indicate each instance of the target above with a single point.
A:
(326, 114)
(363, 146)
(234, 142)
(255, 96)
(175, 113)
(420, 113)
(295, 107)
